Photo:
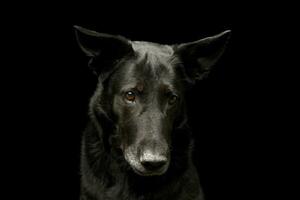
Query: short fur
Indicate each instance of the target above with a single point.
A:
(120, 132)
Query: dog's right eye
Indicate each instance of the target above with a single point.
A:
(173, 99)
(130, 96)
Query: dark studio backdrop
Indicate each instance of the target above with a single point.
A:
(57, 84)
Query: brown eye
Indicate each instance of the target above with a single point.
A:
(173, 99)
(130, 96)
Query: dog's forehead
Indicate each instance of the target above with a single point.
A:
(153, 66)
(153, 60)
(155, 49)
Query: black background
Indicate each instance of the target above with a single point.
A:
(52, 84)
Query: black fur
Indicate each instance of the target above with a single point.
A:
(157, 71)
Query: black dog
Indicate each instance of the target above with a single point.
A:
(136, 145)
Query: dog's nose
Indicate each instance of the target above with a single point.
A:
(153, 165)
(152, 162)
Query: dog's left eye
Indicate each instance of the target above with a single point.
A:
(130, 96)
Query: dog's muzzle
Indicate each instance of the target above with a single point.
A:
(147, 162)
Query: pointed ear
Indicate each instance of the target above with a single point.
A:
(104, 49)
(198, 57)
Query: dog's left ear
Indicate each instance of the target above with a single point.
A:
(198, 57)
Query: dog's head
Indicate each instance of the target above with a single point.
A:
(141, 89)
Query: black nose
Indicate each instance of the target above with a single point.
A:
(153, 165)
(152, 161)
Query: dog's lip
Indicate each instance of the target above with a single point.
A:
(148, 172)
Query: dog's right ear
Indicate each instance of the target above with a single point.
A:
(104, 49)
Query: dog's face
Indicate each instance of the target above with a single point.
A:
(147, 100)
(145, 83)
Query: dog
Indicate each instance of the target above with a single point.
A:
(137, 145)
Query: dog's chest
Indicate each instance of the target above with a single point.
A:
(122, 191)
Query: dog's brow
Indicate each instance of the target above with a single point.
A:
(140, 86)
(135, 85)
(166, 87)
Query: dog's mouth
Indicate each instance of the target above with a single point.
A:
(147, 168)
(146, 172)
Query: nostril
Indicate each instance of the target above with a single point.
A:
(152, 165)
